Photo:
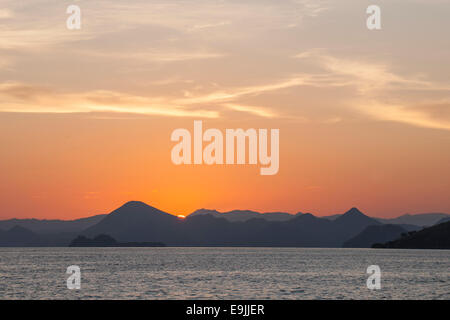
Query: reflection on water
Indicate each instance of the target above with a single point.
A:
(223, 273)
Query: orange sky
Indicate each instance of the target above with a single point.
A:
(86, 116)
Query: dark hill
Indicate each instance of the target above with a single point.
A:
(244, 215)
(52, 226)
(421, 219)
(19, 237)
(137, 221)
(374, 234)
(443, 220)
(435, 237)
(351, 223)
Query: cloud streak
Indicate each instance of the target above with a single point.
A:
(375, 83)
(18, 97)
(403, 114)
(255, 110)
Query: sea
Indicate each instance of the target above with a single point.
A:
(223, 273)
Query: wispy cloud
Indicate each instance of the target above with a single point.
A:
(201, 27)
(376, 84)
(259, 111)
(235, 93)
(404, 114)
(35, 38)
(148, 51)
(18, 97)
(154, 55)
(366, 76)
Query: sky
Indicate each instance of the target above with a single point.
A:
(86, 115)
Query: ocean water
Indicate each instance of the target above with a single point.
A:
(223, 273)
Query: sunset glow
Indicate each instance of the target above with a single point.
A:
(86, 116)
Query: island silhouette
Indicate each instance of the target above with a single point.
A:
(104, 240)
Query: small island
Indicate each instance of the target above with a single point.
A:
(105, 240)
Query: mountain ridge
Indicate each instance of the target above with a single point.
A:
(244, 215)
(136, 221)
(41, 226)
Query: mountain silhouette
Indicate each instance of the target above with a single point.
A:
(422, 219)
(443, 220)
(352, 222)
(435, 237)
(375, 234)
(19, 236)
(52, 226)
(137, 221)
(244, 215)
